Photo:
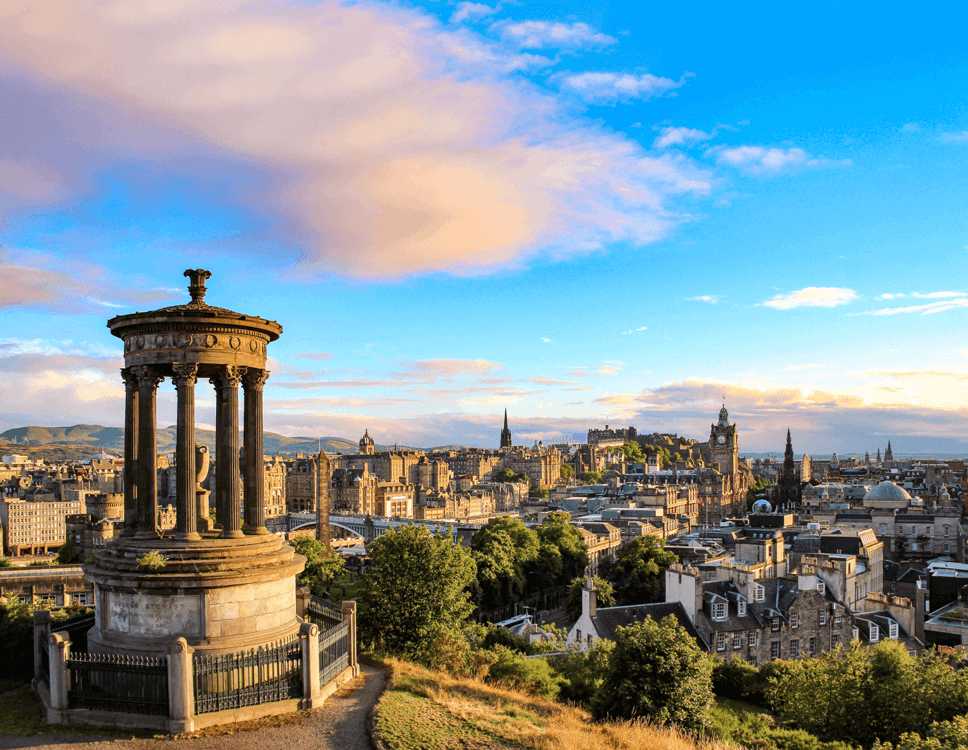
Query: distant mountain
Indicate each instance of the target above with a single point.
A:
(91, 438)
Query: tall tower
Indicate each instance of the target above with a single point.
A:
(789, 486)
(324, 473)
(889, 454)
(724, 444)
(506, 432)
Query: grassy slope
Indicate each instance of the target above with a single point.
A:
(424, 710)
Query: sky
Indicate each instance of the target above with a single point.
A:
(586, 213)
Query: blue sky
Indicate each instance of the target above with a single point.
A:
(586, 213)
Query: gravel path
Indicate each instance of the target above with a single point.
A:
(341, 724)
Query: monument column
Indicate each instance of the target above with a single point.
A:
(148, 380)
(255, 486)
(229, 501)
(131, 512)
(186, 525)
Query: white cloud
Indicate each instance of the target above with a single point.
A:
(929, 308)
(942, 294)
(767, 159)
(610, 367)
(607, 87)
(911, 127)
(709, 299)
(811, 296)
(472, 12)
(957, 136)
(327, 104)
(545, 340)
(680, 136)
(633, 331)
(552, 34)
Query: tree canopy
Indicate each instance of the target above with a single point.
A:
(638, 570)
(658, 673)
(414, 592)
(323, 565)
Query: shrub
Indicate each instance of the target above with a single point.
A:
(740, 680)
(518, 672)
(583, 672)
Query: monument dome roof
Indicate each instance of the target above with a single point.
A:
(887, 490)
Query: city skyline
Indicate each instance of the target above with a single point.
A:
(754, 228)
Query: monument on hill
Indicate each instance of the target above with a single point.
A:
(230, 587)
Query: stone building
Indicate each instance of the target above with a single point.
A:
(542, 466)
(35, 527)
(354, 491)
(60, 586)
(275, 487)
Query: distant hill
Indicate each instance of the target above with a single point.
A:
(88, 439)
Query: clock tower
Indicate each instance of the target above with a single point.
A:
(724, 444)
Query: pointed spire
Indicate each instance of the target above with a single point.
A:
(505, 419)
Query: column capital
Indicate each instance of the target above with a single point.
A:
(130, 377)
(147, 376)
(255, 379)
(185, 373)
(228, 377)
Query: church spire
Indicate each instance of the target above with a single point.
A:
(506, 432)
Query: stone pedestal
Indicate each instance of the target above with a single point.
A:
(221, 595)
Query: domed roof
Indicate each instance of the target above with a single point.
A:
(762, 506)
(887, 490)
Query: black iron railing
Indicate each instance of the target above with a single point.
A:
(249, 678)
(334, 651)
(118, 682)
(43, 654)
(324, 613)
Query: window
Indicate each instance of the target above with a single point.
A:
(855, 633)
(751, 638)
(892, 631)
(823, 617)
(812, 646)
(737, 641)
(794, 619)
(719, 611)
(947, 529)
(838, 620)
(775, 625)
(794, 648)
(821, 588)
(741, 608)
(774, 649)
(720, 641)
(759, 593)
(875, 633)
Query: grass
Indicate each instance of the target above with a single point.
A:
(22, 715)
(425, 710)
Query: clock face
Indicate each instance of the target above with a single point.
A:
(721, 439)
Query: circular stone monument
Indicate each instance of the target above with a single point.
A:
(222, 586)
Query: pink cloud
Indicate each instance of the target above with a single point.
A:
(382, 145)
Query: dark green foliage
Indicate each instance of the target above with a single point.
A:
(659, 674)
(498, 636)
(633, 452)
(414, 592)
(604, 596)
(562, 555)
(17, 636)
(862, 694)
(508, 475)
(69, 554)
(638, 571)
(941, 735)
(739, 680)
(323, 566)
(756, 730)
(591, 477)
(583, 672)
(514, 670)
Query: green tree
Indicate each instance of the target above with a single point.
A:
(562, 554)
(68, 554)
(503, 550)
(514, 670)
(633, 452)
(659, 674)
(638, 570)
(604, 595)
(508, 475)
(567, 472)
(323, 565)
(414, 592)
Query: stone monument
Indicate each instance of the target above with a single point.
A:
(224, 586)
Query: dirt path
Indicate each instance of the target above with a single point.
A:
(341, 724)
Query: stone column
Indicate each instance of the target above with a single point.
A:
(131, 512)
(186, 525)
(349, 616)
(228, 503)
(60, 648)
(309, 640)
(148, 380)
(181, 694)
(255, 485)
